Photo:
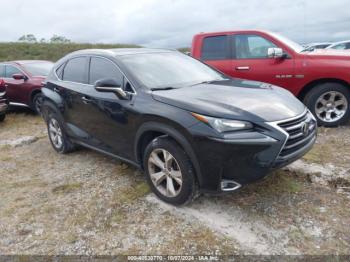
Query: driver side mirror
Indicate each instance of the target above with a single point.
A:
(19, 77)
(275, 52)
(110, 85)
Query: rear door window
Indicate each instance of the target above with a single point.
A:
(11, 70)
(101, 68)
(76, 70)
(215, 48)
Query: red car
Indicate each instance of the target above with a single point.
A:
(24, 80)
(321, 78)
(3, 100)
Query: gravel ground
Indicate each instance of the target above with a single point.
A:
(89, 204)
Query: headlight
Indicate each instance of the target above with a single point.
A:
(223, 125)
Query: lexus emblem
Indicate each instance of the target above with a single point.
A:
(305, 128)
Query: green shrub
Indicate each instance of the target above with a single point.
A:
(46, 51)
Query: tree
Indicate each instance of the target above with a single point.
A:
(59, 39)
(29, 38)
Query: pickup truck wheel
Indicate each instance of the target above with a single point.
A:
(57, 135)
(330, 104)
(2, 117)
(169, 172)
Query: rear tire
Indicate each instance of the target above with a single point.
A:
(329, 103)
(2, 117)
(169, 172)
(57, 135)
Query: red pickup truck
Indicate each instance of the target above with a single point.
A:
(320, 78)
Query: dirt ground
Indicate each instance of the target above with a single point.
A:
(89, 204)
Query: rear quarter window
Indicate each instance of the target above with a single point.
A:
(2, 71)
(215, 48)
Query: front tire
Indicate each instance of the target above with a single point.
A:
(169, 172)
(57, 135)
(329, 103)
(2, 117)
(37, 103)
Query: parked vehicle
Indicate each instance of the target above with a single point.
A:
(3, 100)
(314, 46)
(24, 80)
(343, 45)
(319, 78)
(186, 125)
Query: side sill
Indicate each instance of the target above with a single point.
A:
(108, 153)
(18, 104)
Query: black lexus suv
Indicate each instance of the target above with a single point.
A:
(186, 125)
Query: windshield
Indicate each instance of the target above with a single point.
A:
(168, 69)
(293, 45)
(39, 69)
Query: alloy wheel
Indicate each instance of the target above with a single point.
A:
(165, 172)
(55, 133)
(331, 106)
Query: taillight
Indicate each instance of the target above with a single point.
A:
(2, 86)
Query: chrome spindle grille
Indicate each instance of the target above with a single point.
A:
(301, 131)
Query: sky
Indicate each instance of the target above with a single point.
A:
(171, 23)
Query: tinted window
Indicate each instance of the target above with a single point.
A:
(340, 46)
(215, 48)
(251, 46)
(101, 68)
(39, 69)
(75, 70)
(11, 70)
(59, 71)
(2, 71)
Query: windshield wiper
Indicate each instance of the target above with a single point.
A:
(210, 81)
(163, 88)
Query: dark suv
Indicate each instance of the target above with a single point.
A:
(186, 125)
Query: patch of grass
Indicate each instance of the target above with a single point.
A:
(131, 194)
(122, 198)
(200, 241)
(319, 154)
(25, 183)
(71, 238)
(67, 188)
(5, 158)
(277, 183)
(117, 217)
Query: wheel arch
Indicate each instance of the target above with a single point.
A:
(151, 130)
(48, 104)
(33, 94)
(309, 86)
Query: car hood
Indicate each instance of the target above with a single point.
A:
(234, 99)
(329, 53)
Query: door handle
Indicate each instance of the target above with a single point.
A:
(241, 68)
(86, 100)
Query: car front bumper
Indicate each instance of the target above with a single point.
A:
(245, 157)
